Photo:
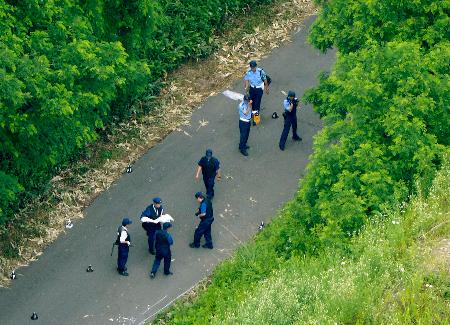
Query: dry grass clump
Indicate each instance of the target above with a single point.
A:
(187, 88)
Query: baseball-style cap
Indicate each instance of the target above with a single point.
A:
(198, 194)
(252, 64)
(166, 225)
(291, 93)
(126, 221)
(157, 200)
(208, 153)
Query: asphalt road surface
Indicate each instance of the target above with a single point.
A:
(57, 286)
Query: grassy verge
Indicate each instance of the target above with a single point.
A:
(396, 271)
(156, 114)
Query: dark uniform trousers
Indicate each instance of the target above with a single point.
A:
(244, 130)
(122, 257)
(204, 229)
(123, 249)
(256, 96)
(290, 120)
(209, 185)
(167, 256)
(151, 229)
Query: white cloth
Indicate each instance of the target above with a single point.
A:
(162, 219)
(123, 235)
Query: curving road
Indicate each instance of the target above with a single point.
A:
(57, 286)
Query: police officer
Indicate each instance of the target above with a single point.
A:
(124, 242)
(205, 213)
(210, 168)
(163, 241)
(153, 211)
(255, 83)
(290, 119)
(245, 116)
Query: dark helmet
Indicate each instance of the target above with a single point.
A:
(291, 93)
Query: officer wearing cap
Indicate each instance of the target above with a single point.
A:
(244, 109)
(210, 168)
(205, 213)
(290, 119)
(152, 212)
(163, 241)
(255, 83)
(124, 242)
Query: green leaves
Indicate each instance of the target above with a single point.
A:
(350, 25)
(386, 110)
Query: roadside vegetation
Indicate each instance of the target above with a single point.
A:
(347, 249)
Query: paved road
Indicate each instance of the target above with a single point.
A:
(57, 286)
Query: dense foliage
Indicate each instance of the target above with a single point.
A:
(385, 277)
(69, 68)
(387, 125)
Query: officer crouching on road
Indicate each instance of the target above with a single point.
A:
(163, 241)
(153, 212)
(205, 213)
(124, 242)
(290, 119)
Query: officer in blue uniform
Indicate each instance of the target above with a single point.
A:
(163, 241)
(205, 213)
(290, 119)
(255, 83)
(245, 115)
(124, 242)
(153, 211)
(210, 168)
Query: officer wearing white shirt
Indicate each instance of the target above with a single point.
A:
(245, 109)
(255, 82)
(124, 242)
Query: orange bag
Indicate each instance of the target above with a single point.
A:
(256, 118)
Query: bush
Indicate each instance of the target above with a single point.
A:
(68, 69)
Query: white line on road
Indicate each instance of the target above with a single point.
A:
(170, 302)
(154, 304)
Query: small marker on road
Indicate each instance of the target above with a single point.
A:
(129, 169)
(69, 224)
(34, 316)
(89, 269)
(261, 226)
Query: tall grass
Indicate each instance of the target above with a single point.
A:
(393, 273)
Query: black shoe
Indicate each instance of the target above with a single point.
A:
(170, 273)
(244, 152)
(152, 275)
(124, 273)
(281, 148)
(151, 251)
(247, 147)
(297, 138)
(192, 245)
(207, 246)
